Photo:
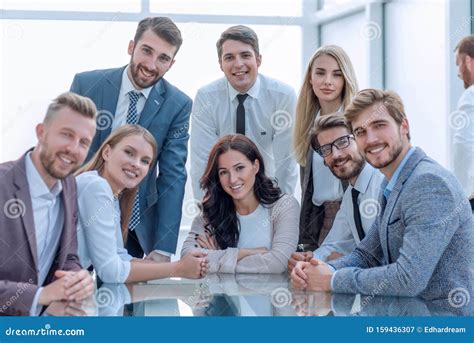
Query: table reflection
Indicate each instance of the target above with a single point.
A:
(245, 295)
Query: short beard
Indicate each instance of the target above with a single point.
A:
(136, 79)
(47, 161)
(359, 165)
(394, 153)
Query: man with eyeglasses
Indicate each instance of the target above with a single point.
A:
(332, 140)
(422, 242)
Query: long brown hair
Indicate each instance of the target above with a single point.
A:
(218, 208)
(97, 162)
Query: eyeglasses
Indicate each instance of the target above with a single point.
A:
(326, 149)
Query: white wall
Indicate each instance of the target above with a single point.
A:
(415, 62)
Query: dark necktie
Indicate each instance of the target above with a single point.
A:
(132, 118)
(240, 124)
(357, 220)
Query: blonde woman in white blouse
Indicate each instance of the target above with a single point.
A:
(329, 85)
(107, 186)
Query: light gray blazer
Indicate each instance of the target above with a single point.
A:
(422, 242)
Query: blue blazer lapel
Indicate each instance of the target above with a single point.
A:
(152, 105)
(23, 194)
(110, 93)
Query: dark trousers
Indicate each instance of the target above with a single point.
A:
(472, 204)
(133, 245)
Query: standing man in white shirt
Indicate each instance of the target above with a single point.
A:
(463, 138)
(333, 141)
(246, 102)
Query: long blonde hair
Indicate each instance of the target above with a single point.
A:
(97, 162)
(308, 103)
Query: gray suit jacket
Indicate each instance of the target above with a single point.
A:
(422, 242)
(18, 252)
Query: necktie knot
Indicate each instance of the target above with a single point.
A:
(355, 194)
(241, 98)
(134, 96)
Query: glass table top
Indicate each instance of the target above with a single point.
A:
(246, 295)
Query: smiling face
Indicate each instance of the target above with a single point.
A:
(327, 81)
(380, 138)
(346, 163)
(239, 63)
(237, 175)
(127, 163)
(63, 144)
(151, 58)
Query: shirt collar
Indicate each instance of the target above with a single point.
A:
(391, 184)
(127, 85)
(252, 92)
(38, 187)
(364, 177)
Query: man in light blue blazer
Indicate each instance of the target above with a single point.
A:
(138, 93)
(422, 241)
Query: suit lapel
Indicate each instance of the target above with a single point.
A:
(110, 94)
(152, 105)
(22, 193)
(64, 241)
(387, 209)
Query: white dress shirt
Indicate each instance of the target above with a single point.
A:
(123, 101)
(99, 234)
(269, 117)
(326, 187)
(343, 236)
(48, 216)
(463, 141)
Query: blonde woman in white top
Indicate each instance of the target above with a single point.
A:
(329, 85)
(107, 186)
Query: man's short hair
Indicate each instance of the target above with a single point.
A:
(326, 122)
(239, 33)
(75, 102)
(368, 97)
(466, 46)
(163, 27)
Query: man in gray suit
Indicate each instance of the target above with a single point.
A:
(422, 242)
(38, 244)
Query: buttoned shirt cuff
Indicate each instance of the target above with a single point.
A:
(35, 307)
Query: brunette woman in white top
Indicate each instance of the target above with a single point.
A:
(107, 186)
(328, 87)
(246, 224)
